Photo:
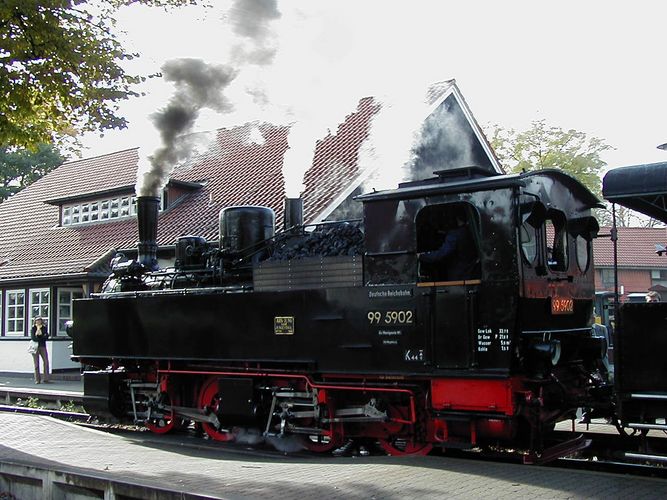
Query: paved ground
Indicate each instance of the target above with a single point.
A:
(233, 472)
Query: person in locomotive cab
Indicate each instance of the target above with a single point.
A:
(652, 296)
(458, 251)
(39, 334)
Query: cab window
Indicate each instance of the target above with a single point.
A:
(556, 240)
(448, 242)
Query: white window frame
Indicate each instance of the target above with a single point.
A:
(102, 209)
(43, 313)
(12, 332)
(68, 304)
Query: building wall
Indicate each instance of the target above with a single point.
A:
(631, 281)
(15, 357)
(20, 304)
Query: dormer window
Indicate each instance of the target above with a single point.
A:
(99, 210)
(117, 203)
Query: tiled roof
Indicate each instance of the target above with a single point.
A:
(636, 248)
(234, 171)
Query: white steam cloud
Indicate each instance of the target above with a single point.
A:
(305, 65)
(200, 85)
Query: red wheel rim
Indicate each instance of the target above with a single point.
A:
(209, 400)
(398, 447)
(167, 423)
(397, 444)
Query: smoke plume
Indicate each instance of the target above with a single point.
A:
(306, 66)
(252, 20)
(198, 85)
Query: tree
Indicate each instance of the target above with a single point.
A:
(542, 147)
(60, 68)
(19, 168)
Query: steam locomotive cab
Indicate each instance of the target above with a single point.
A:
(513, 336)
(296, 334)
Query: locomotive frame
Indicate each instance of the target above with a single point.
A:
(365, 346)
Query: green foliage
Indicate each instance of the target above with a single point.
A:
(72, 407)
(60, 71)
(19, 168)
(31, 402)
(542, 147)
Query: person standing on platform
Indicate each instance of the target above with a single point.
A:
(39, 334)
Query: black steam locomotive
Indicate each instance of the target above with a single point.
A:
(338, 331)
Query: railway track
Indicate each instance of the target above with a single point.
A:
(608, 452)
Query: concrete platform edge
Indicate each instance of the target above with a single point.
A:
(30, 481)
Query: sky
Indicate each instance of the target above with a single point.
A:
(598, 67)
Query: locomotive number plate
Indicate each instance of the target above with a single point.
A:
(562, 305)
(283, 325)
(404, 317)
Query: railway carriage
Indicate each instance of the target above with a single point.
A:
(640, 336)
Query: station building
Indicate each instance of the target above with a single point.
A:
(640, 268)
(60, 233)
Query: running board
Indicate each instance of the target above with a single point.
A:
(656, 427)
(557, 451)
(643, 456)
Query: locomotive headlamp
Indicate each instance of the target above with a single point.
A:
(593, 348)
(545, 351)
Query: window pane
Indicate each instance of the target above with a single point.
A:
(65, 298)
(582, 253)
(556, 243)
(528, 242)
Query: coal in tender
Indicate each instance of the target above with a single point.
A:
(328, 240)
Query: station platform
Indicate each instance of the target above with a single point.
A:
(81, 460)
(61, 390)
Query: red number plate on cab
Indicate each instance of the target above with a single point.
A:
(562, 305)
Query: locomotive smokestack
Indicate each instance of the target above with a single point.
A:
(293, 218)
(147, 209)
